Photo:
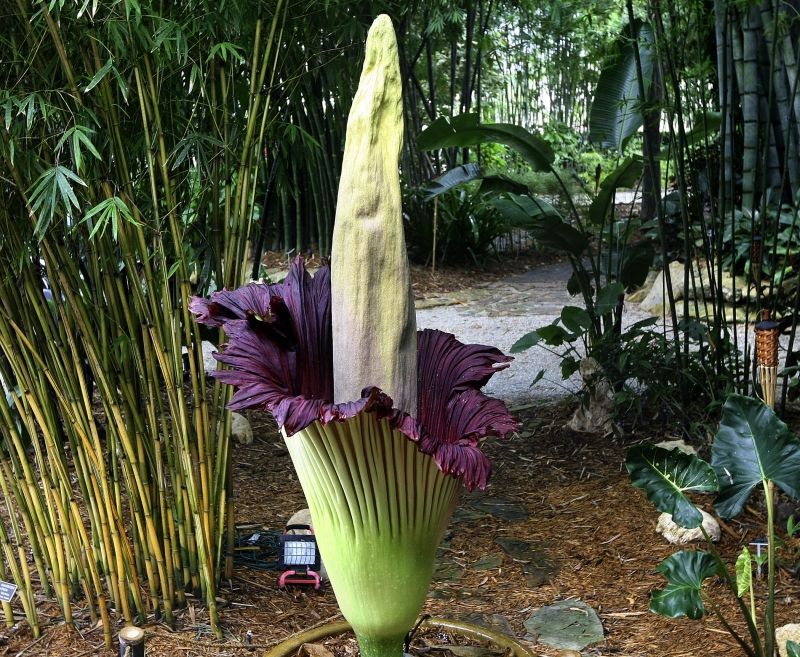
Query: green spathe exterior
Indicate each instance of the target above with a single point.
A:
(379, 507)
(374, 328)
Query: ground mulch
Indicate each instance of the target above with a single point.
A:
(571, 500)
(576, 506)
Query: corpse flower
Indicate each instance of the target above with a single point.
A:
(381, 477)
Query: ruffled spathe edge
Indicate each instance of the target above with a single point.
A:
(279, 352)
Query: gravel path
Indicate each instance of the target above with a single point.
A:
(499, 314)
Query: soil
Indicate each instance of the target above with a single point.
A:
(565, 495)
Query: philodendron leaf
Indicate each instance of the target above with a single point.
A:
(752, 446)
(666, 475)
(608, 298)
(575, 319)
(636, 265)
(792, 649)
(526, 342)
(744, 572)
(685, 572)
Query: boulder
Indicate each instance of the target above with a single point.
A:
(680, 445)
(241, 430)
(790, 632)
(303, 517)
(657, 300)
(678, 535)
(640, 294)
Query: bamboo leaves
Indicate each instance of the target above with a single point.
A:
(108, 213)
(99, 75)
(52, 189)
(79, 137)
(94, 315)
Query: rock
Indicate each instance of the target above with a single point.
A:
(596, 416)
(680, 535)
(209, 362)
(680, 445)
(567, 624)
(538, 566)
(733, 288)
(303, 517)
(241, 430)
(790, 632)
(639, 295)
(656, 300)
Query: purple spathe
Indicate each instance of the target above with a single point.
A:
(279, 352)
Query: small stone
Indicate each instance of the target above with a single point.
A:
(790, 632)
(678, 535)
(241, 430)
(680, 445)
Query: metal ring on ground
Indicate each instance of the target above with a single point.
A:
(287, 647)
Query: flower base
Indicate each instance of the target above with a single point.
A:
(379, 508)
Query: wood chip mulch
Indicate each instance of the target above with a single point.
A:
(581, 510)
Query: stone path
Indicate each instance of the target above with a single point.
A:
(499, 314)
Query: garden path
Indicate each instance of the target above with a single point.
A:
(499, 313)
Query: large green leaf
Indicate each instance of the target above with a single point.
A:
(616, 106)
(575, 319)
(499, 183)
(705, 128)
(666, 475)
(636, 266)
(524, 211)
(752, 446)
(685, 572)
(554, 233)
(626, 174)
(792, 649)
(608, 298)
(452, 178)
(466, 130)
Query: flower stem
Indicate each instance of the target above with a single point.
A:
(371, 646)
(769, 613)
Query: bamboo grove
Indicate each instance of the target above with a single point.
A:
(130, 151)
